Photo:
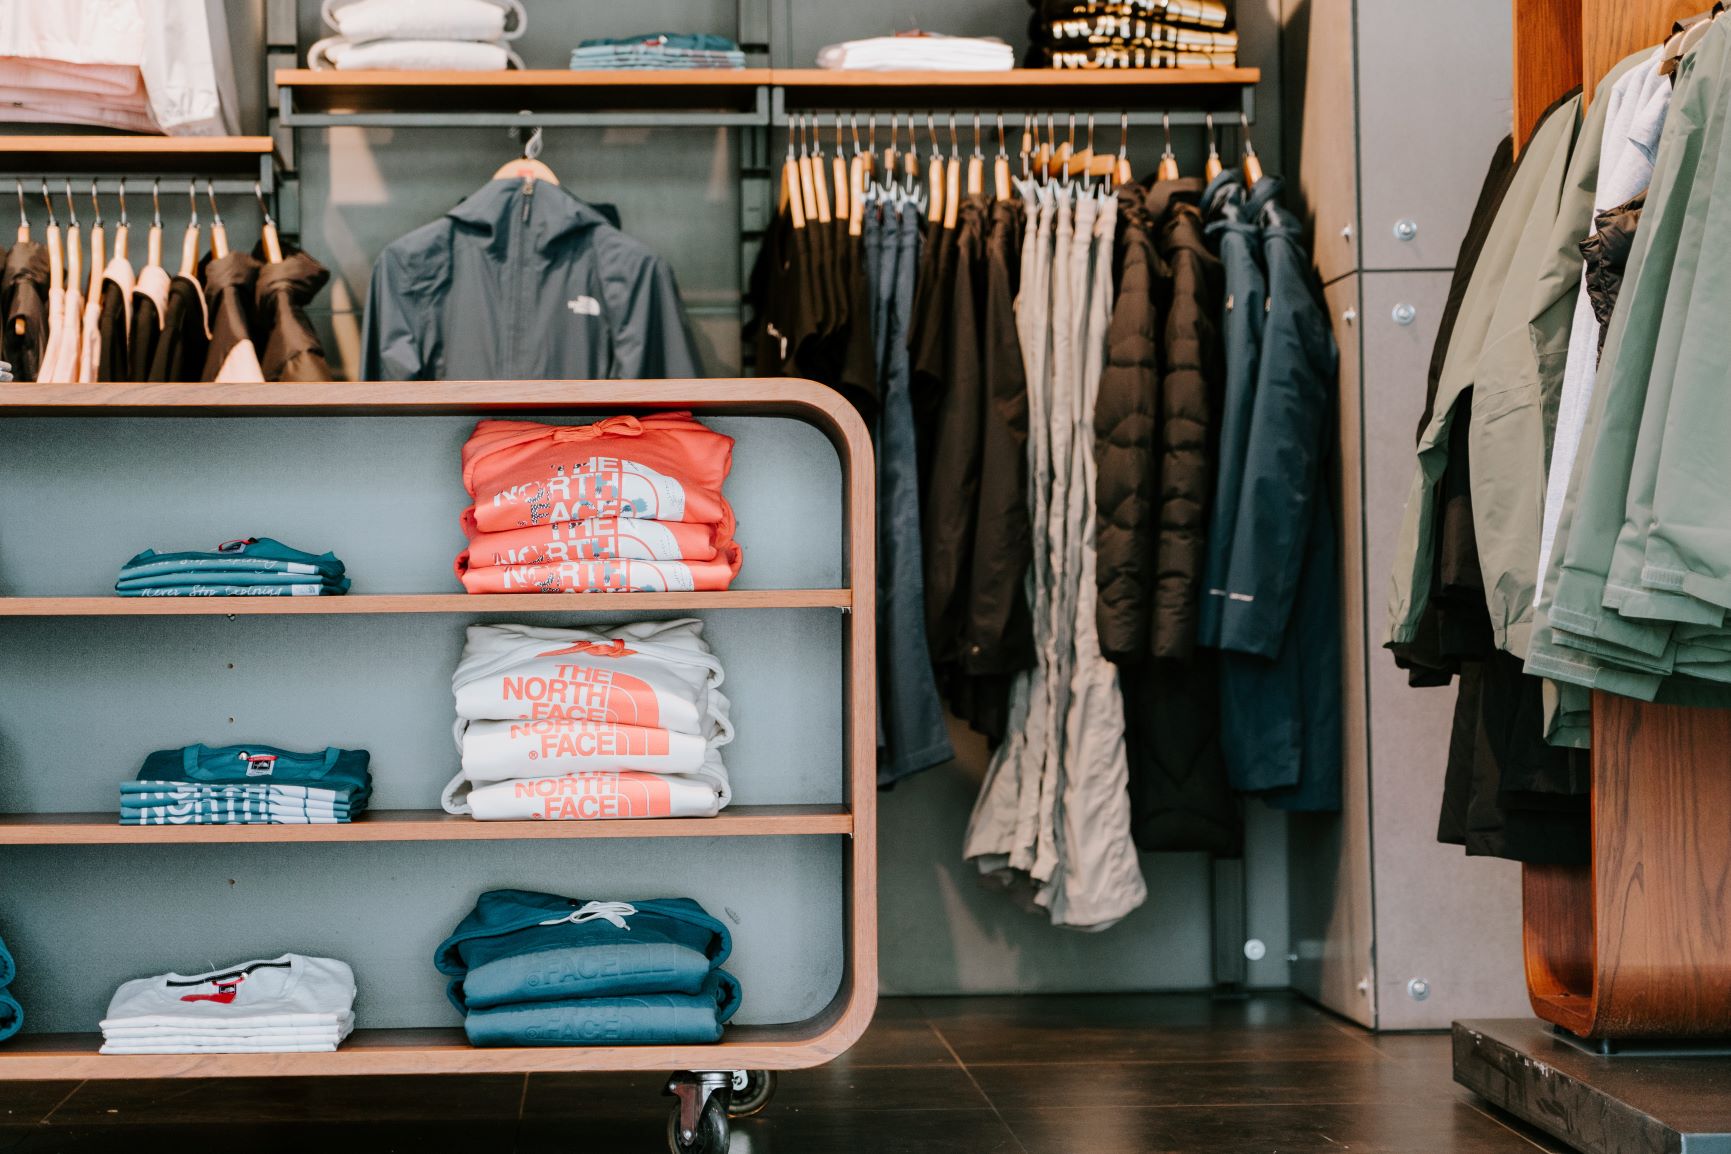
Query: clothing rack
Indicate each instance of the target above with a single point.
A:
(1633, 945)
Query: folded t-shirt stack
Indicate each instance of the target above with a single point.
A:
(625, 721)
(920, 51)
(11, 1013)
(657, 50)
(412, 35)
(1131, 34)
(248, 567)
(626, 504)
(288, 1005)
(247, 785)
(533, 969)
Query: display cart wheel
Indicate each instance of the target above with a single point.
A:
(711, 1135)
(752, 1090)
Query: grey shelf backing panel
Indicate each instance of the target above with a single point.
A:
(1184, 106)
(81, 921)
(549, 107)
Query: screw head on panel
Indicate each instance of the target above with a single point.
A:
(1350, 316)
(1405, 314)
(1405, 229)
(1346, 234)
(1418, 989)
(1255, 949)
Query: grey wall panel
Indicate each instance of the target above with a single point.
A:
(1440, 916)
(82, 922)
(1435, 97)
(1333, 930)
(384, 493)
(1319, 97)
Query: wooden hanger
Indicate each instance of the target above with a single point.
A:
(153, 238)
(1168, 169)
(1252, 165)
(268, 234)
(98, 245)
(528, 167)
(952, 180)
(976, 163)
(189, 243)
(807, 190)
(819, 176)
(1082, 163)
(891, 153)
(123, 230)
(1060, 163)
(1001, 166)
(839, 171)
(218, 230)
(23, 215)
(1214, 166)
(74, 248)
(792, 200)
(1123, 174)
(56, 255)
(858, 172)
(936, 182)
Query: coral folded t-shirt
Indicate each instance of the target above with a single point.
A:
(662, 467)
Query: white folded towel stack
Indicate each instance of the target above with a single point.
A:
(921, 51)
(419, 35)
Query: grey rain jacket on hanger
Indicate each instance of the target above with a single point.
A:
(523, 281)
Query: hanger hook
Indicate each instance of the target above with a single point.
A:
(816, 136)
(192, 199)
(840, 147)
(1123, 134)
(1072, 137)
(215, 212)
(955, 149)
(1244, 126)
(264, 209)
(977, 151)
(532, 146)
(120, 191)
(23, 213)
(156, 203)
(95, 203)
(1001, 149)
(853, 124)
(48, 200)
(71, 208)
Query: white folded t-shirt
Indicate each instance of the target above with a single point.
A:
(286, 992)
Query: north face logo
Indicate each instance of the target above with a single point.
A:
(585, 306)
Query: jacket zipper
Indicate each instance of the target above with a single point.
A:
(517, 290)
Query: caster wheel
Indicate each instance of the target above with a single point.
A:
(712, 1130)
(752, 1090)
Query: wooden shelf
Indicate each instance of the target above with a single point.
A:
(143, 155)
(381, 603)
(1043, 78)
(35, 1057)
(311, 96)
(414, 825)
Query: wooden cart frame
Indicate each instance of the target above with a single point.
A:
(445, 1050)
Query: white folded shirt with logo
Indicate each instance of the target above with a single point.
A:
(537, 704)
(252, 1007)
(596, 797)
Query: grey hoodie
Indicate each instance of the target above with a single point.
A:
(523, 281)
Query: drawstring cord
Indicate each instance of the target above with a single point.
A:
(615, 912)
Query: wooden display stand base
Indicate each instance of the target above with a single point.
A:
(1638, 944)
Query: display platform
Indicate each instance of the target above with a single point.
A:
(1645, 1099)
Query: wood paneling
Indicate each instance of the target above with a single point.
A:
(1547, 58)
(1617, 28)
(424, 825)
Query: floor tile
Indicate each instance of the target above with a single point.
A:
(783, 1131)
(25, 1102)
(900, 1035)
(1006, 1036)
(1448, 1127)
(271, 1100)
(1268, 1082)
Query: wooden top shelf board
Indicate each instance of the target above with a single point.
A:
(413, 825)
(357, 604)
(1020, 78)
(431, 1051)
(125, 155)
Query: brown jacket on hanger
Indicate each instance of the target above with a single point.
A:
(185, 337)
(24, 290)
(229, 285)
(291, 348)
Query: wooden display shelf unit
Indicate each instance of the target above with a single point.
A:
(365, 604)
(366, 1053)
(397, 825)
(811, 1042)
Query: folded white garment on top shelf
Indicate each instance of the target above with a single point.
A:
(411, 56)
(224, 1048)
(363, 20)
(596, 797)
(924, 51)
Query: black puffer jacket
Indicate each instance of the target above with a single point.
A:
(1126, 431)
(1192, 376)
(1607, 254)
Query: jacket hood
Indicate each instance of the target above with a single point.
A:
(545, 214)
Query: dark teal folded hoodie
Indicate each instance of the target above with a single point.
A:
(506, 952)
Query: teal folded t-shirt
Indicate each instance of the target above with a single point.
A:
(250, 553)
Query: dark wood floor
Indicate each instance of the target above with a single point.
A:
(1085, 1075)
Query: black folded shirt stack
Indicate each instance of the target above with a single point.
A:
(1131, 34)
